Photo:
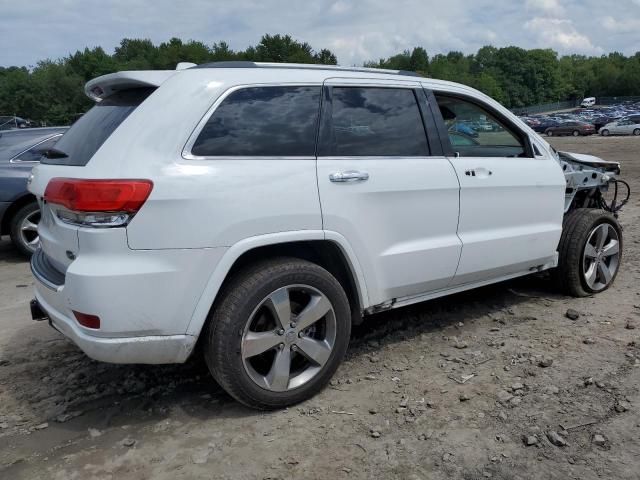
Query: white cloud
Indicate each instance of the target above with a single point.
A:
(550, 6)
(340, 7)
(356, 30)
(560, 34)
(625, 25)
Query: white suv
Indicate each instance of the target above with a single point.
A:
(260, 210)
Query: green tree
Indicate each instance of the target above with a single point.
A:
(52, 91)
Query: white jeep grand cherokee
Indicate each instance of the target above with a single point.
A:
(260, 210)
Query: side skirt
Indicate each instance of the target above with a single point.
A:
(405, 301)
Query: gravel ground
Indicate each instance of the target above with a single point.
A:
(495, 383)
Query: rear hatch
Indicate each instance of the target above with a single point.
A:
(59, 239)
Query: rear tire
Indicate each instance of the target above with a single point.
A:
(549, 133)
(583, 265)
(576, 133)
(636, 132)
(22, 229)
(249, 306)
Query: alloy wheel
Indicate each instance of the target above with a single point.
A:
(601, 256)
(29, 231)
(288, 338)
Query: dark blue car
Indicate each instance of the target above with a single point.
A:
(20, 150)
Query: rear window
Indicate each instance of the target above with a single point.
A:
(262, 121)
(88, 134)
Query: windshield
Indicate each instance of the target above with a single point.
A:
(88, 134)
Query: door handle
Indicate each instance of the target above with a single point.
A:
(478, 172)
(349, 176)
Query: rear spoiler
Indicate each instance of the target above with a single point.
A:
(103, 86)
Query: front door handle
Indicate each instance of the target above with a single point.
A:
(349, 176)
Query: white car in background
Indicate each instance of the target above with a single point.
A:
(625, 126)
(260, 210)
(588, 102)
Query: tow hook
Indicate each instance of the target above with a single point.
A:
(37, 313)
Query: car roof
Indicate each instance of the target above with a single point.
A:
(238, 73)
(306, 66)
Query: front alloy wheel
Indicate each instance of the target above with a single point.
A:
(589, 253)
(601, 257)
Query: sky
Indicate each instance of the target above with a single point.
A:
(355, 30)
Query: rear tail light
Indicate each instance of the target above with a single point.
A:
(97, 203)
(86, 320)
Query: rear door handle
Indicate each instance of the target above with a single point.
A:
(349, 176)
(478, 172)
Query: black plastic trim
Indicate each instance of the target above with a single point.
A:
(45, 272)
(440, 127)
(429, 124)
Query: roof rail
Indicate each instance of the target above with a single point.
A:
(307, 66)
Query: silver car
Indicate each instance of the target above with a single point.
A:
(625, 126)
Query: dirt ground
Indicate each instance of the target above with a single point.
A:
(442, 390)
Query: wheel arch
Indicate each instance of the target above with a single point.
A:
(13, 208)
(334, 254)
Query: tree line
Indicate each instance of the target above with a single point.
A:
(517, 77)
(52, 91)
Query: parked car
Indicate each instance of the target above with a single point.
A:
(588, 102)
(300, 200)
(544, 124)
(20, 150)
(601, 121)
(463, 128)
(9, 122)
(571, 128)
(621, 127)
(635, 118)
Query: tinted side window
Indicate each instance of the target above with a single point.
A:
(484, 134)
(262, 121)
(88, 134)
(377, 122)
(35, 152)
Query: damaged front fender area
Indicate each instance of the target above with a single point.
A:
(588, 178)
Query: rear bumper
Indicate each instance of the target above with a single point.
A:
(153, 349)
(145, 299)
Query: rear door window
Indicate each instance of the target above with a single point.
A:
(376, 121)
(262, 122)
(86, 136)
